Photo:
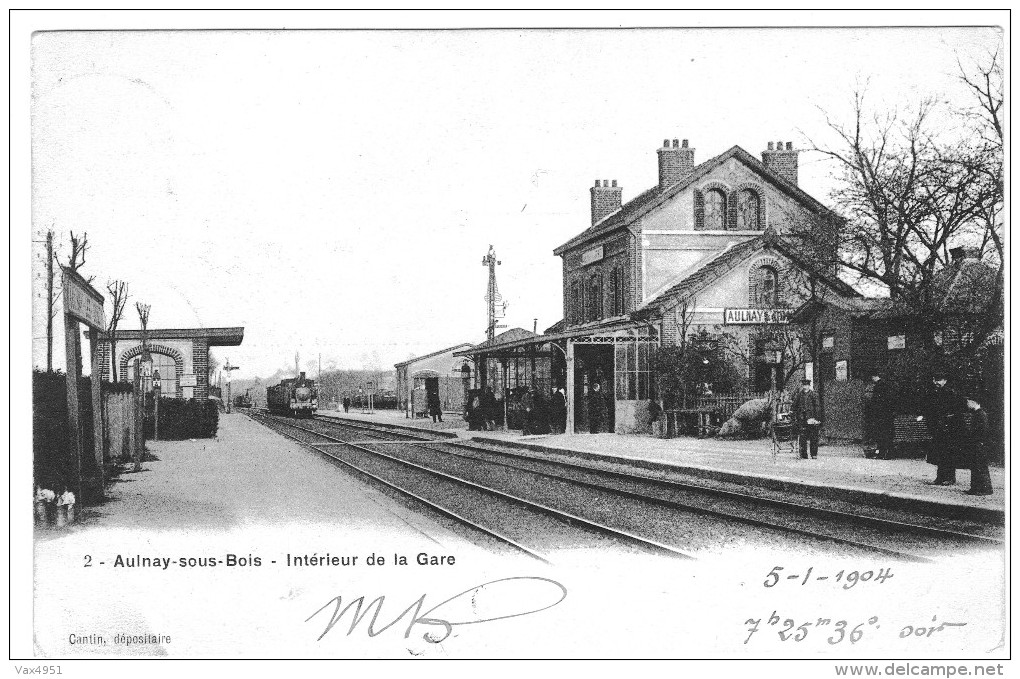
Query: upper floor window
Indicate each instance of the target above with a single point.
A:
(576, 315)
(595, 298)
(715, 210)
(748, 205)
(767, 288)
(616, 292)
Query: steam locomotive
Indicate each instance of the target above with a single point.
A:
(296, 397)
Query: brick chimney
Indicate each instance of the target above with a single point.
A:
(782, 161)
(675, 163)
(605, 200)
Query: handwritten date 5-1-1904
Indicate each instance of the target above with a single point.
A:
(849, 579)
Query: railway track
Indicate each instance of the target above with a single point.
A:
(849, 531)
(508, 519)
(950, 536)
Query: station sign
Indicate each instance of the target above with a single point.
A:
(592, 256)
(756, 316)
(189, 381)
(82, 301)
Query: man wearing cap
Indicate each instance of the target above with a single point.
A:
(943, 413)
(807, 415)
(878, 416)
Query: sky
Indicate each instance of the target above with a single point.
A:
(334, 192)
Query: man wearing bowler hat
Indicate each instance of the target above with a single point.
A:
(807, 416)
(943, 413)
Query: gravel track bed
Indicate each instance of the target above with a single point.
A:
(887, 537)
(529, 527)
(674, 526)
(899, 514)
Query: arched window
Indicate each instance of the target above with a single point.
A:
(715, 210)
(766, 288)
(748, 205)
(167, 367)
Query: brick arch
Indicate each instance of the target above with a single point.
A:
(699, 203)
(156, 349)
(752, 278)
(759, 191)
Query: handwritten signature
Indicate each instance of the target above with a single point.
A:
(530, 593)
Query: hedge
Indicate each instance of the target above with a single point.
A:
(54, 466)
(181, 419)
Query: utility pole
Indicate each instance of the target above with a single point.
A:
(494, 301)
(49, 301)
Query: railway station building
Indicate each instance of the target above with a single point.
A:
(440, 371)
(722, 251)
(181, 355)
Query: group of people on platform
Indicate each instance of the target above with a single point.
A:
(531, 410)
(958, 428)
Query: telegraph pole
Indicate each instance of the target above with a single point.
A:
(494, 301)
(49, 301)
(228, 368)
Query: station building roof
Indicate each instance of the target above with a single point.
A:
(217, 337)
(432, 355)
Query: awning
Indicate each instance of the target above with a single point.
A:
(593, 332)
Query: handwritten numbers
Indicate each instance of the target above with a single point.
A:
(774, 574)
(751, 630)
(883, 573)
(848, 579)
(841, 630)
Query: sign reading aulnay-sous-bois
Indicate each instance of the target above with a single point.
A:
(756, 316)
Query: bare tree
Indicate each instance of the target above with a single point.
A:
(76, 260)
(910, 195)
(118, 295)
(143, 318)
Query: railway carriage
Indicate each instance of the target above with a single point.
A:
(295, 397)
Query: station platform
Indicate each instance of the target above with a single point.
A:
(840, 472)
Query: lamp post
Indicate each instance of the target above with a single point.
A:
(156, 385)
(229, 368)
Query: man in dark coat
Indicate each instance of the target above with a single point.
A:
(558, 411)
(435, 407)
(347, 404)
(807, 418)
(943, 413)
(980, 479)
(595, 405)
(878, 416)
(489, 406)
(528, 404)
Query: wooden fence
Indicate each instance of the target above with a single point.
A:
(724, 405)
(123, 437)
